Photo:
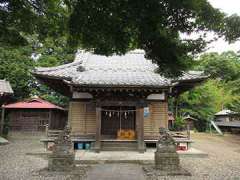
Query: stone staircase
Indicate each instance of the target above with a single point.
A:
(119, 145)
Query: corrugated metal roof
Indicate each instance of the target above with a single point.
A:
(225, 112)
(35, 103)
(229, 124)
(131, 69)
(5, 87)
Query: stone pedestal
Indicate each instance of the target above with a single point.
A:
(61, 163)
(62, 158)
(166, 157)
(167, 161)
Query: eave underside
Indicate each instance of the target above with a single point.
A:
(65, 88)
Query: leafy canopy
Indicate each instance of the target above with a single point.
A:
(17, 64)
(220, 91)
(108, 27)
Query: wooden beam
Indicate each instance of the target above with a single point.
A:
(2, 120)
(50, 119)
(97, 145)
(138, 103)
(140, 129)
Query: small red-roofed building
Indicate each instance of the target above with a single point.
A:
(34, 115)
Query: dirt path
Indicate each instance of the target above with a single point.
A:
(116, 172)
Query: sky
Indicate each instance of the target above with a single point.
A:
(229, 7)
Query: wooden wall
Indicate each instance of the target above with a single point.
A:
(156, 119)
(35, 119)
(82, 119)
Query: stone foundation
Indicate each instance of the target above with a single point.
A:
(61, 162)
(166, 161)
(62, 157)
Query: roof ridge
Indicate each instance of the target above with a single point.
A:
(38, 100)
(63, 66)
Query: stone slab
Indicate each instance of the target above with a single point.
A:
(3, 141)
(152, 173)
(83, 156)
(116, 172)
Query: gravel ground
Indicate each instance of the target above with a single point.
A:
(16, 165)
(222, 163)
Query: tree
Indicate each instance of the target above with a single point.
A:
(221, 91)
(155, 26)
(15, 67)
(118, 26)
(225, 66)
(204, 101)
(18, 62)
(27, 17)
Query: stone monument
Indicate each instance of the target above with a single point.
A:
(62, 157)
(166, 157)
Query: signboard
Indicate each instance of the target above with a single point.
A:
(156, 96)
(81, 95)
(146, 112)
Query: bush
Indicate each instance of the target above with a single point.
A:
(179, 124)
(5, 130)
(5, 127)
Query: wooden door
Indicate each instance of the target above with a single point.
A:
(115, 118)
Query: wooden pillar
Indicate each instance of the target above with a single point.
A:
(176, 106)
(2, 121)
(69, 118)
(50, 119)
(140, 129)
(97, 145)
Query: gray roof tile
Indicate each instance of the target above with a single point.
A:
(5, 87)
(131, 69)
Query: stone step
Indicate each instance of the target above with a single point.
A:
(114, 144)
(119, 146)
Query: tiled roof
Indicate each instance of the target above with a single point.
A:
(35, 103)
(5, 87)
(131, 69)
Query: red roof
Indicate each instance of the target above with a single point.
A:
(35, 103)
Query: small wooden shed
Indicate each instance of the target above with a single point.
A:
(190, 122)
(34, 114)
(228, 120)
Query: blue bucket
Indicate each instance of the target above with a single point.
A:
(80, 146)
(87, 146)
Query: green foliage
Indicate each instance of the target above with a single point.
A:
(15, 67)
(24, 17)
(118, 26)
(225, 66)
(46, 93)
(108, 27)
(179, 124)
(17, 64)
(220, 91)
